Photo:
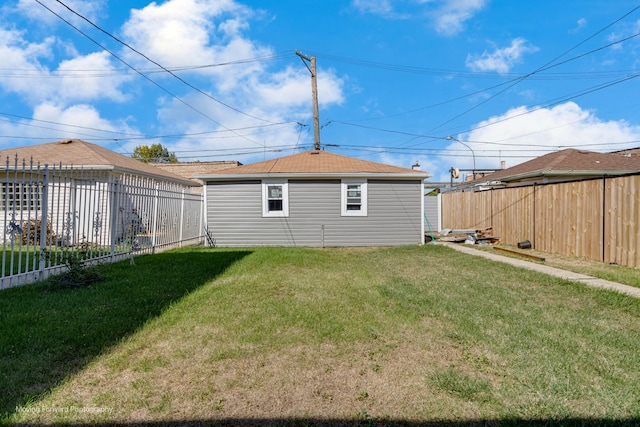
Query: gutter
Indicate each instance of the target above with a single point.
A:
(560, 173)
(316, 175)
(112, 168)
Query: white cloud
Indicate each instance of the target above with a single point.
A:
(580, 24)
(208, 32)
(452, 15)
(85, 114)
(524, 133)
(173, 33)
(92, 10)
(81, 78)
(90, 77)
(184, 32)
(376, 7)
(501, 60)
(51, 122)
(22, 57)
(447, 16)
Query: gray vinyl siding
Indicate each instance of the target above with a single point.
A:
(432, 213)
(234, 215)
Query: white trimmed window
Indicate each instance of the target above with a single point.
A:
(20, 196)
(354, 198)
(275, 198)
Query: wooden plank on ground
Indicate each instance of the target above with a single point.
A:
(522, 254)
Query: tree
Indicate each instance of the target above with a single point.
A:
(155, 153)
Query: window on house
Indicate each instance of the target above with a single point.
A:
(20, 196)
(275, 198)
(354, 198)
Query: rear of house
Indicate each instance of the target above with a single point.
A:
(315, 199)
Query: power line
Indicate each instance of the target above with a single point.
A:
(450, 73)
(137, 71)
(516, 81)
(549, 65)
(94, 73)
(121, 136)
(158, 64)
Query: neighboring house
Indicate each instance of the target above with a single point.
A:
(315, 198)
(82, 154)
(88, 188)
(630, 152)
(561, 166)
(190, 169)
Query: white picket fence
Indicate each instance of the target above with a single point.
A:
(48, 212)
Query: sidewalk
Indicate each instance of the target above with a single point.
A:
(541, 268)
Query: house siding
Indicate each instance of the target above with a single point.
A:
(234, 215)
(432, 208)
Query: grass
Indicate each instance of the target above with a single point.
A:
(613, 272)
(365, 336)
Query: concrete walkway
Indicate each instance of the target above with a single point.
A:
(541, 268)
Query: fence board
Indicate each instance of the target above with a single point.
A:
(597, 219)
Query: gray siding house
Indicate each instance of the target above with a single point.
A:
(316, 199)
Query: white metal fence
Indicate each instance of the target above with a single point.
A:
(48, 212)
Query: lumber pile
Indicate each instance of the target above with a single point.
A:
(482, 236)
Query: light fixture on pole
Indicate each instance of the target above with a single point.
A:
(451, 138)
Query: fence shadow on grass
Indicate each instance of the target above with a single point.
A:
(48, 333)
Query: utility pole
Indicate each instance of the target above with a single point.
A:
(314, 94)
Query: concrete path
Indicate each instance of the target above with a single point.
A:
(576, 277)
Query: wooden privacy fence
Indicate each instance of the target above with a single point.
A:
(597, 219)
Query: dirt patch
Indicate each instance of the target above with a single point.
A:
(383, 379)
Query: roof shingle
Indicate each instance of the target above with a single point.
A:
(75, 152)
(569, 160)
(316, 162)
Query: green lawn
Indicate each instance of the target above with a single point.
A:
(371, 336)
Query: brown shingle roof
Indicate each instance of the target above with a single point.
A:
(566, 162)
(75, 152)
(316, 162)
(191, 169)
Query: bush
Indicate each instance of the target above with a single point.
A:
(78, 272)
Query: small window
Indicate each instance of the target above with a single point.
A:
(354, 198)
(20, 196)
(275, 198)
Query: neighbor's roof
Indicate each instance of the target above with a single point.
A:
(315, 163)
(569, 162)
(75, 152)
(191, 169)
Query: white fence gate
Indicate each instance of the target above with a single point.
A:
(48, 211)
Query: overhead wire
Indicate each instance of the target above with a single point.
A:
(94, 73)
(108, 34)
(548, 65)
(173, 70)
(179, 99)
(119, 135)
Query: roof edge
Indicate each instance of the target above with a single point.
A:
(555, 173)
(388, 175)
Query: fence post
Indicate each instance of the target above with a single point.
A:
(181, 217)
(113, 221)
(604, 218)
(44, 220)
(203, 210)
(154, 220)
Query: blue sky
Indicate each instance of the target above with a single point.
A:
(399, 81)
